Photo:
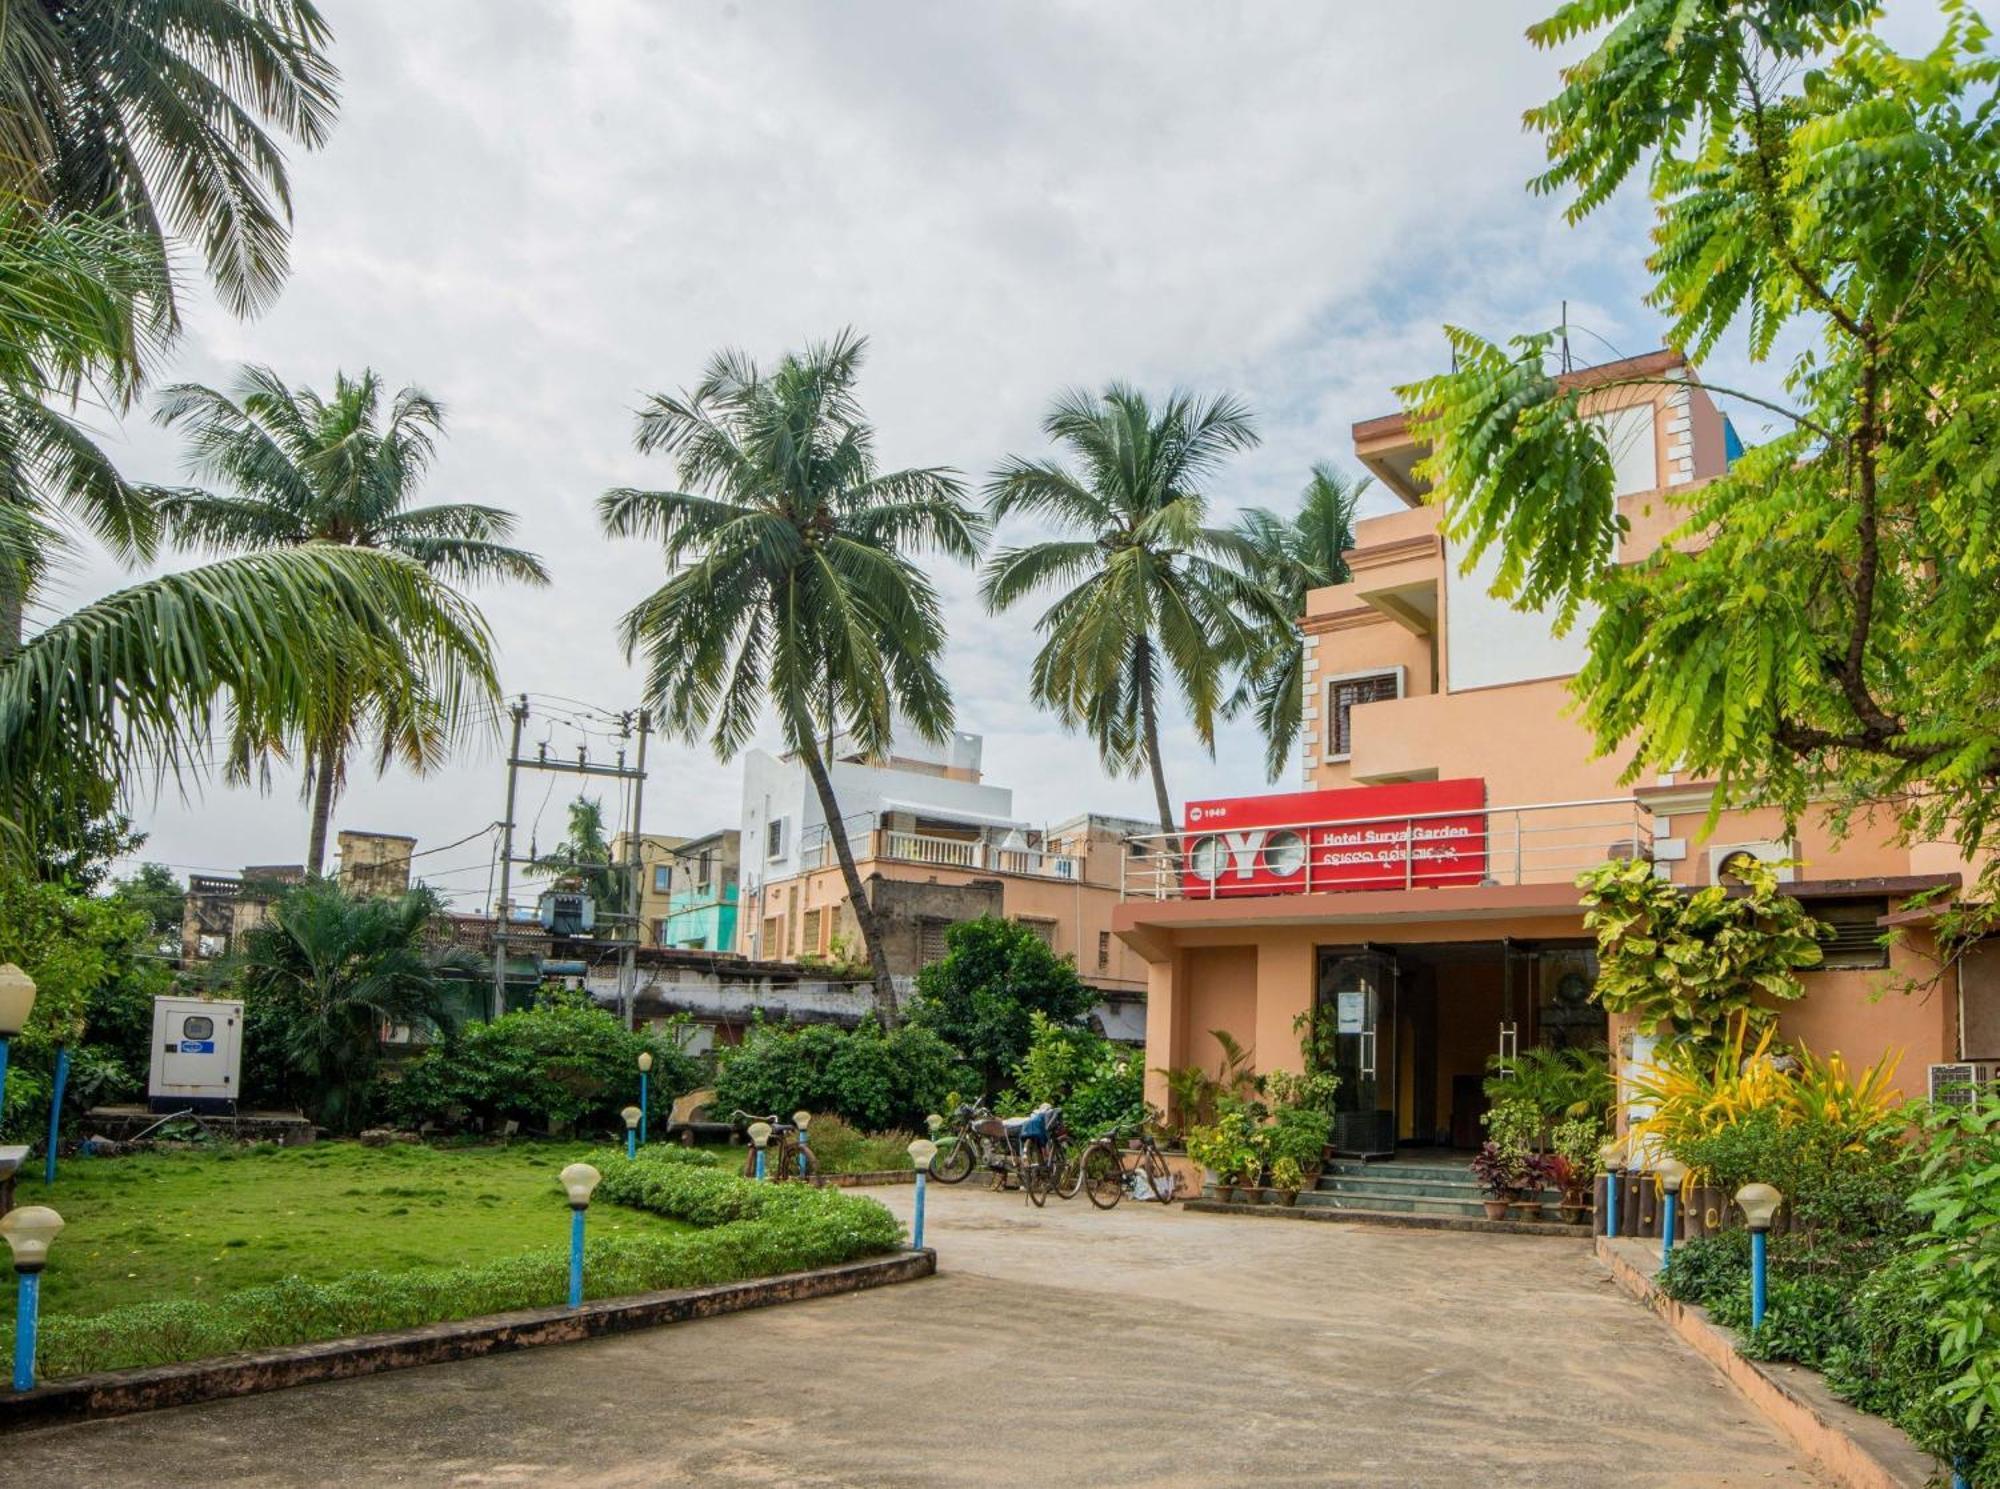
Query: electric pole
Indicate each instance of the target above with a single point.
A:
(628, 961)
(520, 713)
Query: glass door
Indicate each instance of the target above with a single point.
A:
(1357, 994)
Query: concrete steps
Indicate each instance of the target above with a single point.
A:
(1422, 1188)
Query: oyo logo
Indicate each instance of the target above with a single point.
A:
(1194, 814)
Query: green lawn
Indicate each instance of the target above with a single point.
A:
(179, 1225)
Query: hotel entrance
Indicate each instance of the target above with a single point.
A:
(1416, 1025)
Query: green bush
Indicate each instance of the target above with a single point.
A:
(981, 998)
(1836, 1184)
(873, 1079)
(1299, 1133)
(754, 1230)
(1099, 1086)
(559, 1066)
(840, 1147)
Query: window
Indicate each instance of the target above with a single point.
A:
(772, 943)
(774, 838)
(663, 878)
(1103, 950)
(1857, 939)
(1343, 694)
(931, 945)
(1045, 930)
(812, 920)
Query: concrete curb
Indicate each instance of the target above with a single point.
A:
(118, 1392)
(1393, 1218)
(1850, 1447)
(872, 1176)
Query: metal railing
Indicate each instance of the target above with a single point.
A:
(1538, 843)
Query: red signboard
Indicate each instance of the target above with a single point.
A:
(1417, 834)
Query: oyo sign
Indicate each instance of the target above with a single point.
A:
(1419, 834)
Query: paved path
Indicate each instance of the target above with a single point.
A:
(1057, 1347)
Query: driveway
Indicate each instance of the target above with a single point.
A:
(1055, 1347)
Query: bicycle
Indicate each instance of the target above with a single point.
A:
(1110, 1170)
(786, 1156)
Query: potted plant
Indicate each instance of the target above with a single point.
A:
(1572, 1168)
(1287, 1180)
(1499, 1175)
(1208, 1147)
(1248, 1168)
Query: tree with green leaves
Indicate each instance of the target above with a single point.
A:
(793, 578)
(1819, 629)
(1305, 551)
(1152, 595)
(583, 857)
(300, 468)
(159, 896)
(166, 118)
(980, 997)
(323, 975)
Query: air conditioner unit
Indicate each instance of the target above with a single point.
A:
(1962, 1082)
(1764, 852)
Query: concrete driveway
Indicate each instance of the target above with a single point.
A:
(1055, 1347)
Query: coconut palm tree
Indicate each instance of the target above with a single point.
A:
(792, 580)
(584, 855)
(137, 685)
(160, 115)
(323, 975)
(1293, 554)
(1153, 594)
(306, 469)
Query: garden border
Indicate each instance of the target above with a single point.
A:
(119, 1392)
(865, 1178)
(1395, 1219)
(1851, 1447)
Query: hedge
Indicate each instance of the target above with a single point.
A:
(752, 1230)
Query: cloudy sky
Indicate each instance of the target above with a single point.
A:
(539, 212)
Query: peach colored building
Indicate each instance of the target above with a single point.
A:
(1419, 891)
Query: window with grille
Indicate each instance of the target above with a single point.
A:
(1045, 930)
(774, 838)
(1103, 950)
(1343, 694)
(812, 920)
(931, 943)
(1857, 940)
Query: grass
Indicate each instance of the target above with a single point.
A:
(203, 1223)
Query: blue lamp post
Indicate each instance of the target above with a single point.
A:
(922, 1151)
(645, 1076)
(17, 1001)
(28, 1230)
(56, 1089)
(579, 1179)
(1611, 1157)
(1670, 1172)
(802, 1120)
(760, 1136)
(1759, 1203)
(633, 1116)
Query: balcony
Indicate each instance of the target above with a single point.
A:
(1542, 843)
(975, 854)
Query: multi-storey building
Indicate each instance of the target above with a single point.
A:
(701, 902)
(1420, 891)
(935, 845)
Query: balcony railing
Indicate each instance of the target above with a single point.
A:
(1543, 843)
(948, 853)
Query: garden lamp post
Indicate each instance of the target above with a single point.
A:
(802, 1120)
(934, 1122)
(579, 1179)
(1671, 1171)
(1612, 1156)
(56, 1088)
(922, 1151)
(1759, 1203)
(760, 1134)
(633, 1116)
(28, 1230)
(17, 1001)
(645, 1077)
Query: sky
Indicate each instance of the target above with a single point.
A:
(542, 213)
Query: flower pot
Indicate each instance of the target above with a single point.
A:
(1496, 1209)
(1572, 1214)
(1225, 1192)
(1527, 1209)
(1246, 1194)
(1287, 1197)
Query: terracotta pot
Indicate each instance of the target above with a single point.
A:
(1247, 1194)
(1530, 1209)
(1225, 1192)
(1496, 1209)
(1287, 1197)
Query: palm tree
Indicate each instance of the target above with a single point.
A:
(1153, 592)
(327, 971)
(584, 855)
(160, 115)
(791, 578)
(307, 469)
(1294, 554)
(136, 684)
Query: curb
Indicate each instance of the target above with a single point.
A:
(872, 1176)
(1850, 1447)
(118, 1392)
(1393, 1219)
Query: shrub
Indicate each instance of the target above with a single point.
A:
(841, 1148)
(559, 1066)
(1300, 1134)
(875, 1080)
(755, 1230)
(1100, 1087)
(1560, 1084)
(995, 978)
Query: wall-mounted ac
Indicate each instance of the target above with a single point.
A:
(1962, 1082)
(1764, 852)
